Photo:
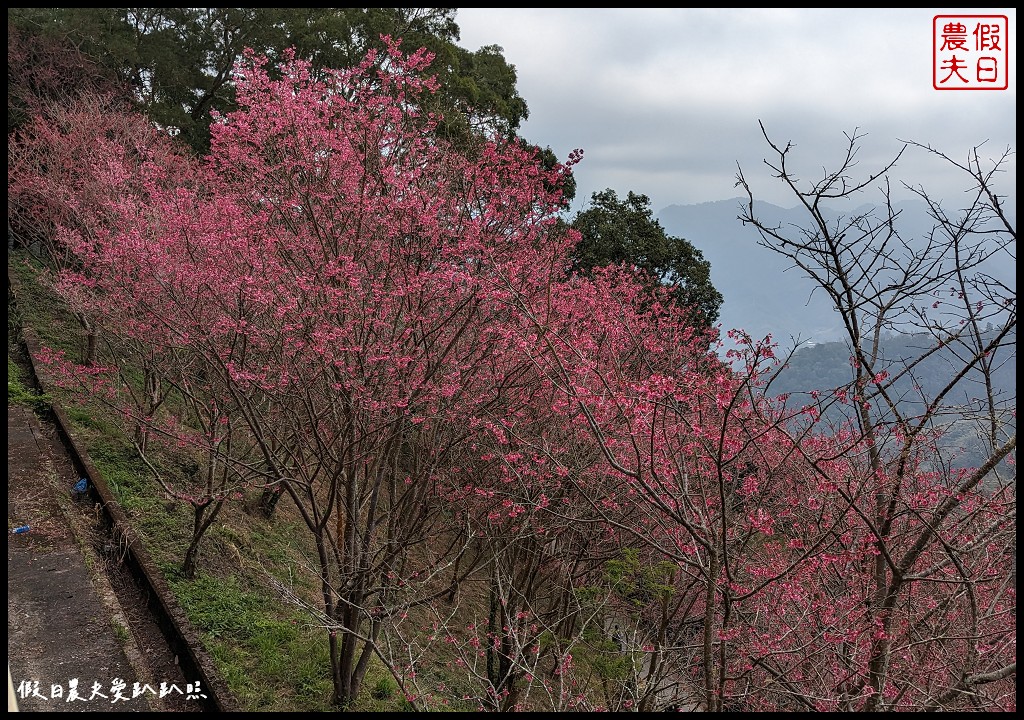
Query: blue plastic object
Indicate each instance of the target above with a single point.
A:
(81, 490)
(21, 530)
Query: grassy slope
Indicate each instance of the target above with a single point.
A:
(271, 652)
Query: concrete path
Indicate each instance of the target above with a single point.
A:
(65, 637)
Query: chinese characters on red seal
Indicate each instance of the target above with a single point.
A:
(970, 52)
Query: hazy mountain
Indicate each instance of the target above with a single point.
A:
(826, 366)
(763, 292)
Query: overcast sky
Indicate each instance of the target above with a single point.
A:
(666, 102)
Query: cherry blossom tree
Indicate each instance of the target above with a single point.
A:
(68, 167)
(357, 323)
(338, 276)
(918, 610)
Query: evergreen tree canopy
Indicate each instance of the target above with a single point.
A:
(179, 61)
(616, 232)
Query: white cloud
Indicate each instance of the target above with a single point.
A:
(665, 102)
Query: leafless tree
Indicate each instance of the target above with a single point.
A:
(942, 295)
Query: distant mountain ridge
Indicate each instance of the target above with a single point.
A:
(824, 366)
(763, 293)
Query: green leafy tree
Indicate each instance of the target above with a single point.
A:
(625, 232)
(179, 61)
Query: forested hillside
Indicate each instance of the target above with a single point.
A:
(822, 367)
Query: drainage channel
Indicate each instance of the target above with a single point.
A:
(91, 620)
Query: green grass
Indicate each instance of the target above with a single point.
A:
(270, 656)
(86, 418)
(165, 525)
(19, 392)
(122, 633)
(39, 308)
(271, 653)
